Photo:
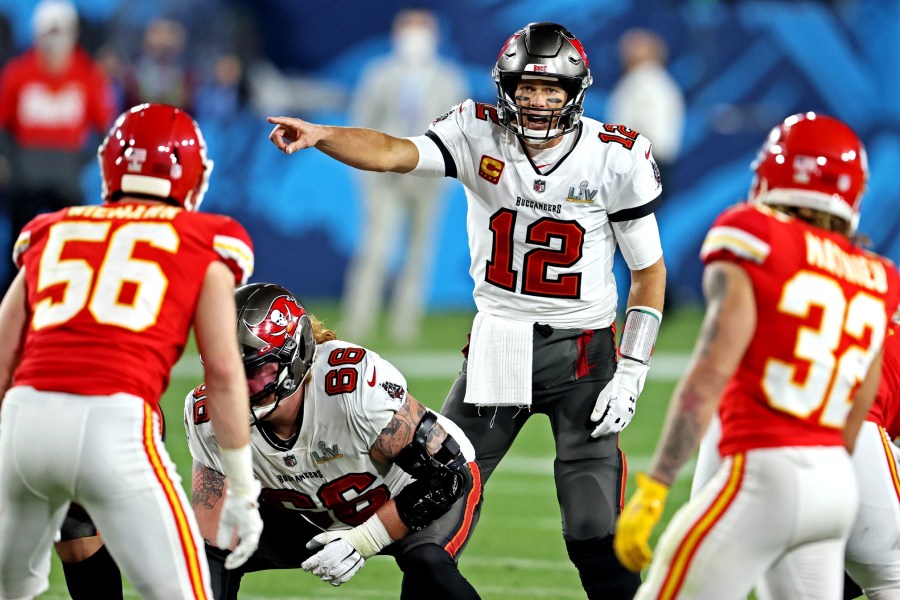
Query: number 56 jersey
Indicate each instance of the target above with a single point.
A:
(326, 472)
(113, 290)
(823, 306)
(542, 241)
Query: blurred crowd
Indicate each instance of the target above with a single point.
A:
(60, 94)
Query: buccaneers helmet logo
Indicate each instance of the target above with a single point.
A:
(280, 323)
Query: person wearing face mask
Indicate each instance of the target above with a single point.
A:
(54, 101)
(397, 93)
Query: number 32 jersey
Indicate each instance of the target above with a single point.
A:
(326, 472)
(823, 306)
(543, 243)
(112, 291)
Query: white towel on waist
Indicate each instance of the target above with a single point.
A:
(499, 365)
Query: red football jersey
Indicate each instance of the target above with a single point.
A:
(886, 410)
(822, 310)
(112, 291)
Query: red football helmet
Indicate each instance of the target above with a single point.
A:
(155, 151)
(813, 161)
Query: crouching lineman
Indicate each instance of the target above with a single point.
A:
(351, 464)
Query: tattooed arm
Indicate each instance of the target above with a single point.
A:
(207, 490)
(396, 436)
(727, 329)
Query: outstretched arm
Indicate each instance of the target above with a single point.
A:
(365, 149)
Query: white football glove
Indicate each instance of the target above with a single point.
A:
(342, 553)
(336, 560)
(240, 513)
(617, 402)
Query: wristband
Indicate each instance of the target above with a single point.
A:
(639, 333)
(369, 538)
(238, 466)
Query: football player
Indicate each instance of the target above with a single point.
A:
(351, 464)
(550, 196)
(872, 557)
(99, 312)
(790, 355)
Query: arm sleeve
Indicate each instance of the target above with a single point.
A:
(639, 241)
(636, 187)
(380, 396)
(432, 159)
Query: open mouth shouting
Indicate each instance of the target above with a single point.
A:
(536, 121)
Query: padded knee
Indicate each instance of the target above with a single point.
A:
(603, 577)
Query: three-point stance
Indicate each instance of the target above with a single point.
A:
(351, 464)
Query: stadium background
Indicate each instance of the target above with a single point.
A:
(743, 66)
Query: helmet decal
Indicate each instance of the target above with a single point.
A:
(280, 322)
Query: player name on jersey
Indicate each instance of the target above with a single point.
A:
(857, 269)
(125, 211)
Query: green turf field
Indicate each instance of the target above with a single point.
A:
(517, 550)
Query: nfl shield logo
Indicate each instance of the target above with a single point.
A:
(540, 185)
(290, 460)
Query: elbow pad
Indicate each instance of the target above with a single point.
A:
(431, 496)
(440, 479)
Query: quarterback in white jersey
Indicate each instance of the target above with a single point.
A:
(550, 196)
(348, 460)
(559, 223)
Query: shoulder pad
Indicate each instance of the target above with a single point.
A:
(740, 232)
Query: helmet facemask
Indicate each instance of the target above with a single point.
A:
(515, 117)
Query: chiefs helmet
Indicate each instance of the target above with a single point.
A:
(272, 326)
(542, 51)
(812, 161)
(155, 151)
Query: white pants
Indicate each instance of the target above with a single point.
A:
(760, 510)
(392, 202)
(873, 549)
(105, 453)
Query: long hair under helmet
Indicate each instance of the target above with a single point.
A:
(542, 51)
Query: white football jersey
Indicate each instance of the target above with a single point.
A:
(351, 397)
(542, 243)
